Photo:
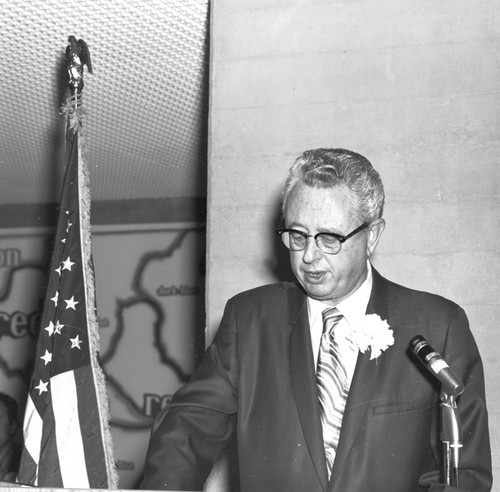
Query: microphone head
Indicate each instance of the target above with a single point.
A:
(436, 365)
(415, 343)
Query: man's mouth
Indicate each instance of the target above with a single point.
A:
(314, 276)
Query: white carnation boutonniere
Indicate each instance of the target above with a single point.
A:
(370, 332)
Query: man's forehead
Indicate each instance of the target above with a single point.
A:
(320, 199)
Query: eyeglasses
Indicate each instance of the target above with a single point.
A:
(328, 242)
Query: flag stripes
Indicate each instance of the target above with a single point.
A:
(68, 433)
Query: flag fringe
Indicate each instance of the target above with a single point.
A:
(75, 112)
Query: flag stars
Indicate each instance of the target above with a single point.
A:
(42, 387)
(55, 298)
(50, 329)
(58, 327)
(67, 264)
(67, 227)
(47, 357)
(76, 342)
(71, 303)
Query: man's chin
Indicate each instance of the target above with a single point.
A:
(318, 292)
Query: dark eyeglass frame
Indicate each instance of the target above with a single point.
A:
(341, 239)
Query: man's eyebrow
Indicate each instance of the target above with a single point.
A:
(324, 230)
(330, 230)
(293, 225)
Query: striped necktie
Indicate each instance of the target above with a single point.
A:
(333, 385)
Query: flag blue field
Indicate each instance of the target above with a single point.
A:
(67, 441)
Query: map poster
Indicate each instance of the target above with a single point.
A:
(150, 282)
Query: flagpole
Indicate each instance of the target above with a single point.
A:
(78, 56)
(67, 440)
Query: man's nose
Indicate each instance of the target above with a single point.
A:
(311, 251)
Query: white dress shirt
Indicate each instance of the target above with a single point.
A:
(351, 308)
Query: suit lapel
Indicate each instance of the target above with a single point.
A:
(363, 382)
(304, 385)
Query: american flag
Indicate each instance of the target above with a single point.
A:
(67, 440)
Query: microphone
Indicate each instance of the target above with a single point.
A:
(436, 365)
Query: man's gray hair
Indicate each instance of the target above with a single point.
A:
(327, 168)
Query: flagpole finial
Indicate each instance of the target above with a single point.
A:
(77, 56)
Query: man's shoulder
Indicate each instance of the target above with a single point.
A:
(270, 293)
(274, 289)
(425, 299)
(411, 311)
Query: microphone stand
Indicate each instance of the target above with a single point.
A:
(451, 437)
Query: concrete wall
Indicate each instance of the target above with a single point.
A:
(411, 85)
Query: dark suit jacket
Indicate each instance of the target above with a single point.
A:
(258, 380)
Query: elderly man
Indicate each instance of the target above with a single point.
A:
(315, 377)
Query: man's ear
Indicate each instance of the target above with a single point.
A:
(375, 231)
